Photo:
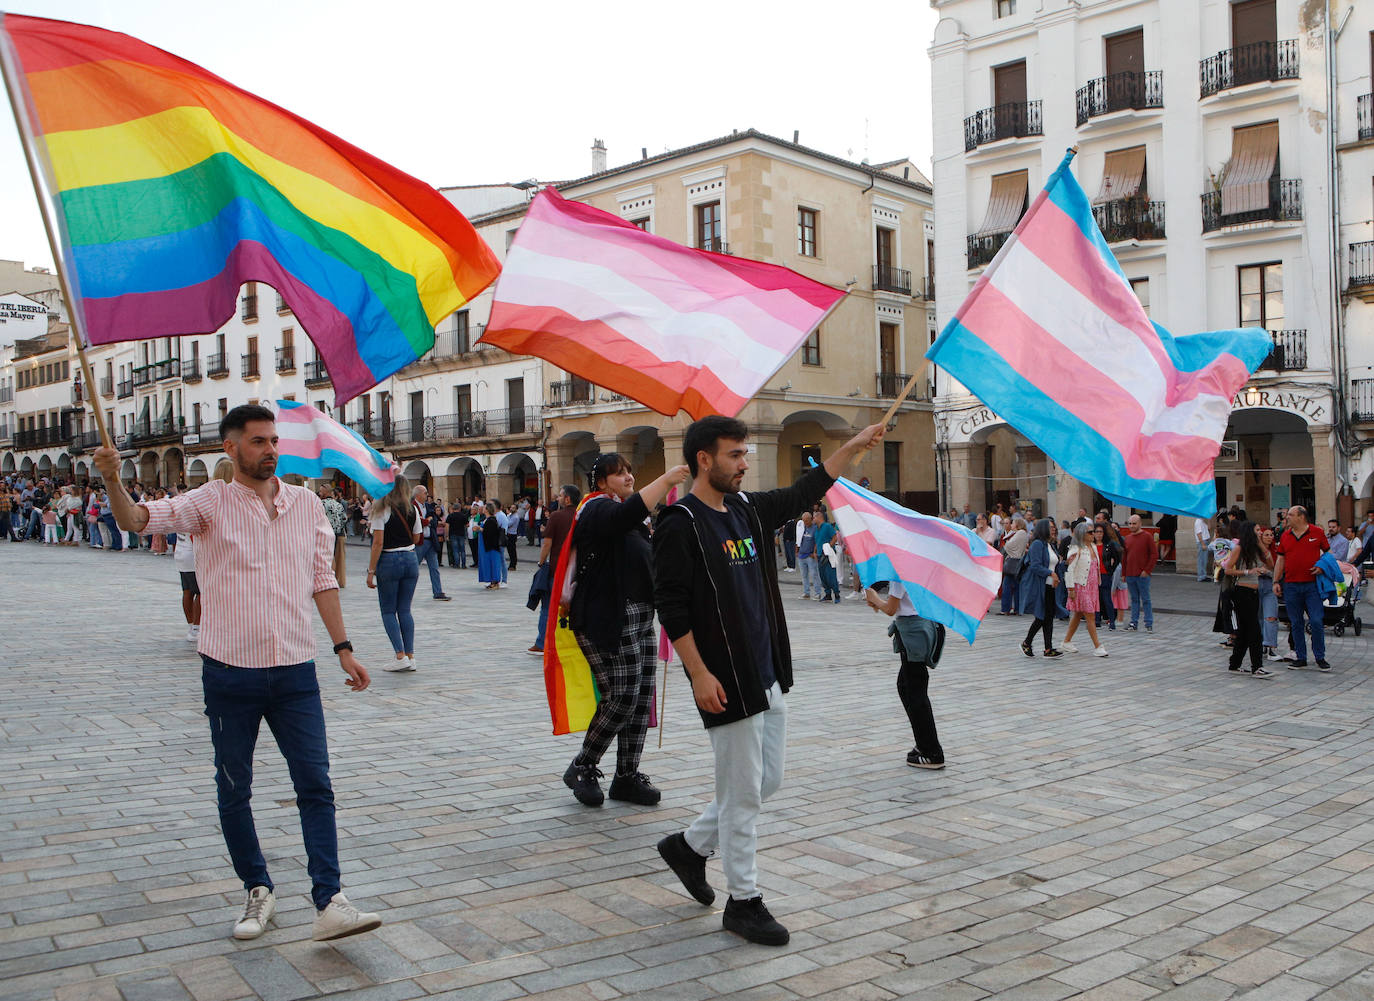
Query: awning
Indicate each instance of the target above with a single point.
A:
(1005, 203)
(1254, 151)
(1123, 173)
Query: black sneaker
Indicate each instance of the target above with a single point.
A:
(688, 866)
(1322, 665)
(1261, 674)
(634, 788)
(1294, 665)
(750, 920)
(1054, 653)
(582, 780)
(916, 759)
(442, 597)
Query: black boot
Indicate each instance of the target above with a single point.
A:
(750, 920)
(688, 866)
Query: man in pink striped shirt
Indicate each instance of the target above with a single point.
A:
(264, 550)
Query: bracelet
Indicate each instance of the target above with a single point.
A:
(345, 645)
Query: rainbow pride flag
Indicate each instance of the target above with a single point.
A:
(171, 188)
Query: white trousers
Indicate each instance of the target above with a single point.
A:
(749, 762)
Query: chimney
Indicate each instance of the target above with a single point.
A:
(598, 156)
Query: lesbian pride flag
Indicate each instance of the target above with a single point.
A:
(309, 442)
(171, 188)
(1054, 341)
(669, 326)
(950, 574)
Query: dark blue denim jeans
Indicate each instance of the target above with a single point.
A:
(116, 536)
(397, 575)
(1304, 601)
(428, 553)
(237, 700)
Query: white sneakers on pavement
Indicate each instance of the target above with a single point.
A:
(1068, 647)
(257, 913)
(341, 919)
(1099, 651)
(404, 664)
(193, 634)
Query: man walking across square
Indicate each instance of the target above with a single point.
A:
(1136, 566)
(1202, 535)
(716, 590)
(428, 550)
(1297, 551)
(264, 550)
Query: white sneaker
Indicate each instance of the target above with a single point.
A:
(191, 634)
(1099, 651)
(397, 666)
(257, 913)
(341, 919)
(1068, 647)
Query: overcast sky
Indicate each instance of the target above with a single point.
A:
(467, 93)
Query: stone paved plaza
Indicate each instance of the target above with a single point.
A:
(1142, 826)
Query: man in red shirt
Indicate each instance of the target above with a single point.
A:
(1141, 555)
(1298, 550)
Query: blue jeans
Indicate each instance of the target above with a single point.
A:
(116, 536)
(457, 553)
(1303, 600)
(1140, 595)
(237, 700)
(1269, 613)
(427, 554)
(1202, 555)
(811, 575)
(829, 581)
(397, 575)
(543, 621)
(1011, 596)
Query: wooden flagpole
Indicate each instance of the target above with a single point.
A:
(10, 71)
(906, 390)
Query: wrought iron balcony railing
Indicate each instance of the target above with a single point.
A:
(286, 359)
(890, 279)
(316, 374)
(42, 437)
(142, 376)
(1130, 219)
(569, 392)
(983, 248)
(1006, 121)
(1285, 205)
(1290, 351)
(126, 389)
(1364, 116)
(716, 246)
(1257, 62)
(250, 366)
(1132, 90)
(1362, 401)
(1361, 263)
(248, 307)
(217, 366)
(891, 384)
(168, 368)
(149, 432)
(474, 424)
(106, 388)
(190, 370)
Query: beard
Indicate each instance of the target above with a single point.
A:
(261, 470)
(720, 480)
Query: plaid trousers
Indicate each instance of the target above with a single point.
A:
(625, 682)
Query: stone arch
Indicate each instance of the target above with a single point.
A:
(7, 464)
(418, 473)
(580, 450)
(173, 467)
(26, 467)
(466, 478)
(148, 465)
(517, 476)
(127, 471)
(197, 473)
(64, 464)
(83, 471)
(224, 469)
(643, 446)
(805, 435)
(1271, 461)
(44, 465)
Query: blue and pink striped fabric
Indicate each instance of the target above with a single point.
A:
(1053, 339)
(309, 442)
(949, 573)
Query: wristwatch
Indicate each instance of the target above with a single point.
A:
(345, 645)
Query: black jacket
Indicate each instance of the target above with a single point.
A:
(598, 603)
(693, 592)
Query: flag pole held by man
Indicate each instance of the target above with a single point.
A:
(1148, 410)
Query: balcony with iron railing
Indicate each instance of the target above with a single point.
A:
(217, 366)
(142, 376)
(151, 432)
(1005, 121)
(168, 368)
(106, 386)
(1258, 62)
(248, 307)
(286, 358)
(125, 389)
(983, 247)
(190, 370)
(928, 288)
(570, 392)
(474, 424)
(1130, 219)
(891, 384)
(43, 437)
(889, 279)
(1362, 401)
(316, 374)
(202, 437)
(715, 245)
(1129, 91)
(1285, 205)
(250, 366)
(1360, 269)
(1289, 354)
(1364, 116)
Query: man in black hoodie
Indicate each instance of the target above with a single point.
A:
(716, 590)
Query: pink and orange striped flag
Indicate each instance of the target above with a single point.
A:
(672, 327)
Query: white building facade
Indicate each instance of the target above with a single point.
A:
(1202, 129)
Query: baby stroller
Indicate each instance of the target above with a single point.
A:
(1338, 612)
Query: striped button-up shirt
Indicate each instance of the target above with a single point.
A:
(257, 575)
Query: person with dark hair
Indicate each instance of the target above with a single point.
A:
(556, 530)
(427, 551)
(257, 646)
(612, 617)
(393, 568)
(1245, 565)
(491, 539)
(1038, 581)
(717, 595)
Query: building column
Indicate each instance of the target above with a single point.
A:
(560, 458)
(962, 456)
(763, 458)
(1031, 483)
(1323, 473)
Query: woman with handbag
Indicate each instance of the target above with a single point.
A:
(1084, 574)
(1109, 559)
(1268, 600)
(1224, 545)
(1037, 587)
(1121, 594)
(1245, 565)
(1013, 556)
(393, 569)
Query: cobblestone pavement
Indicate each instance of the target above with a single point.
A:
(1145, 825)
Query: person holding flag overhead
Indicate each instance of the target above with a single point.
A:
(264, 551)
(716, 588)
(612, 616)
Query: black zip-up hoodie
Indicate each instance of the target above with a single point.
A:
(693, 591)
